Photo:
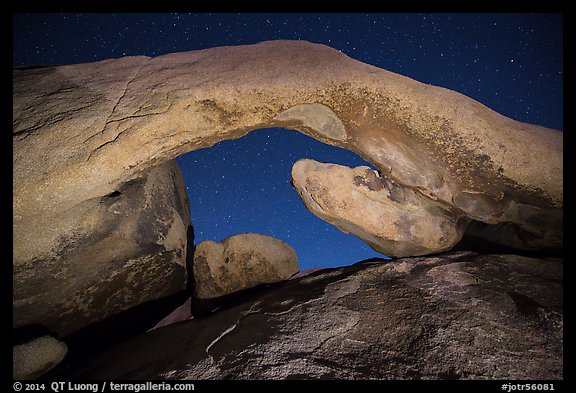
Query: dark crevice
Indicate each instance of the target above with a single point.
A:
(190, 248)
(113, 194)
(484, 246)
(113, 330)
(25, 334)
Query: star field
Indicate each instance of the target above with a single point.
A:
(512, 63)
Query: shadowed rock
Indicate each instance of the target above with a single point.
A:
(458, 315)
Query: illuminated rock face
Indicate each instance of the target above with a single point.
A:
(82, 132)
(393, 220)
(458, 315)
(240, 262)
(115, 252)
(34, 358)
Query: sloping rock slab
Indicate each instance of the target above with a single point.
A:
(458, 315)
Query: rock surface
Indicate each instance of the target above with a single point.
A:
(241, 262)
(106, 255)
(81, 131)
(457, 315)
(34, 358)
(393, 220)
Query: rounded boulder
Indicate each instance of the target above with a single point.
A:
(240, 262)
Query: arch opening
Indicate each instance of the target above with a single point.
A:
(243, 185)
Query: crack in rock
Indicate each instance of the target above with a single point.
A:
(224, 333)
(231, 328)
(108, 121)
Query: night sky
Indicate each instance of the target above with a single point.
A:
(513, 63)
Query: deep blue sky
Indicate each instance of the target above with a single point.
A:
(513, 63)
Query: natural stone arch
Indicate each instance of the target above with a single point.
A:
(82, 131)
(109, 120)
(133, 113)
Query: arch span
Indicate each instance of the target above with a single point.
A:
(99, 124)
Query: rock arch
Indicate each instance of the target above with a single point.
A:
(81, 132)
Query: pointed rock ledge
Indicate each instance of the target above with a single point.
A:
(394, 220)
